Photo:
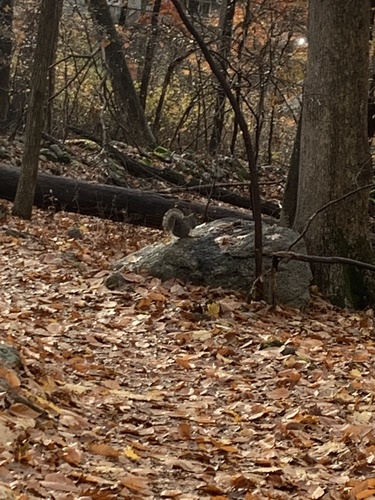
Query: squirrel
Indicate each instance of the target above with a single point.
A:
(176, 223)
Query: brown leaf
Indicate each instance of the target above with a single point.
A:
(59, 482)
(134, 483)
(280, 393)
(72, 455)
(184, 362)
(184, 429)
(23, 411)
(104, 450)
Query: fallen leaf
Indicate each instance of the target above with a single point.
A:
(103, 449)
(280, 393)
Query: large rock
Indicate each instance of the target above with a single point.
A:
(221, 254)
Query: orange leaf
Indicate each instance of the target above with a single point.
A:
(104, 450)
(290, 374)
(364, 489)
(365, 494)
(10, 376)
(185, 363)
(184, 429)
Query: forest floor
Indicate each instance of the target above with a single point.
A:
(171, 391)
(165, 390)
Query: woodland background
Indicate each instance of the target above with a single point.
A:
(266, 61)
(171, 390)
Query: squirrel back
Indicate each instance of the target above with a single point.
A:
(176, 223)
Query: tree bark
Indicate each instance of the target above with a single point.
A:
(129, 112)
(50, 13)
(335, 156)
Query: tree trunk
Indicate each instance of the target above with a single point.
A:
(149, 55)
(242, 39)
(335, 158)
(51, 87)
(224, 45)
(50, 13)
(129, 111)
(288, 211)
(242, 123)
(6, 45)
(107, 202)
(193, 184)
(167, 80)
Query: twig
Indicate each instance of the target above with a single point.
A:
(219, 184)
(324, 260)
(332, 202)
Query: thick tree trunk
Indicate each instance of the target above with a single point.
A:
(50, 13)
(335, 156)
(107, 202)
(129, 111)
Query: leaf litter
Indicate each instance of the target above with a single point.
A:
(166, 390)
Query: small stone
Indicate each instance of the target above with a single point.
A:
(115, 281)
(9, 356)
(75, 233)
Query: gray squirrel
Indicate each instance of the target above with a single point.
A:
(176, 223)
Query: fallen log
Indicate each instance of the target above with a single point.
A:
(137, 169)
(107, 202)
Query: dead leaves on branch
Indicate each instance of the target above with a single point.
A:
(170, 391)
